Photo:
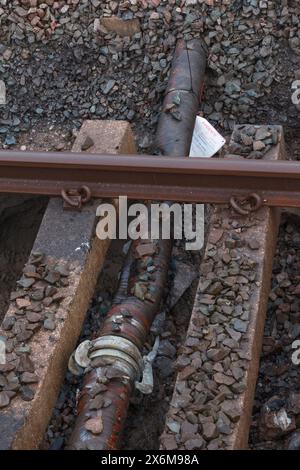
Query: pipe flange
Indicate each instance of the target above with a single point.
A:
(113, 354)
(117, 343)
(110, 347)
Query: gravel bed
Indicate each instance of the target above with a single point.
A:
(33, 305)
(214, 360)
(63, 62)
(66, 61)
(276, 413)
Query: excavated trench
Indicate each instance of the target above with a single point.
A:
(278, 386)
(146, 415)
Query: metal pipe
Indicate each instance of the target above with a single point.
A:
(181, 103)
(146, 270)
(121, 322)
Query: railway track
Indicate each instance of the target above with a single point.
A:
(218, 361)
(235, 273)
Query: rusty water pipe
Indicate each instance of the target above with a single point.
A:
(108, 385)
(130, 320)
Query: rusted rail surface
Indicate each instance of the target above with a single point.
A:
(151, 177)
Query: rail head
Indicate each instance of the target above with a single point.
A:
(151, 163)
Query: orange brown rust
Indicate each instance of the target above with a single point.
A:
(117, 390)
(118, 393)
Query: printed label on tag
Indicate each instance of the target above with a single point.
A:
(206, 140)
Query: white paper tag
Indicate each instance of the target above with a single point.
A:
(206, 140)
(205, 143)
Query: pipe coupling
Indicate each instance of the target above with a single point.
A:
(111, 349)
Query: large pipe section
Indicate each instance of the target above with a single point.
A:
(115, 360)
(116, 365)
(181, 103)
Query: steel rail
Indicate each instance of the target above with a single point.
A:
(151, 177)
(134, 315)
